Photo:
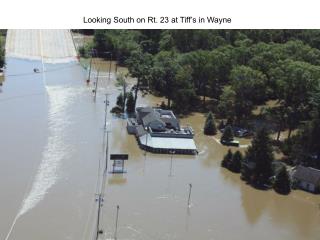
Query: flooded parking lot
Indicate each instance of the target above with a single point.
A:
(52, 146)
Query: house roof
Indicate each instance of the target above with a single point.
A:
(142, 112)
(168, 117)
(172, 121)
(307, 174)
(150, 117)
(157, 125)
(146, 115)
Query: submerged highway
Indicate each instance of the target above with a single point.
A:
(50, 140)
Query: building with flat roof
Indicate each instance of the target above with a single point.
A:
(159, 131)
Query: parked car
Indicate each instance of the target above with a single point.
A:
(239, 132)
(233, 143)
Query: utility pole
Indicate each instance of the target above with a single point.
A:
(106, 111)
(88, 80)
(107, 151)
(190, 186)
(110, 67)
(100, 200)
(96, 86)
(116, 229)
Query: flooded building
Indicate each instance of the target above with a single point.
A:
(159, 131)
(307, 178)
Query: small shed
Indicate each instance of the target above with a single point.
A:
(307, 178)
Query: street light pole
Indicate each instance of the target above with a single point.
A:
(98, 217)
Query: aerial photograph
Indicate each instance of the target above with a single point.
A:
(159, 134)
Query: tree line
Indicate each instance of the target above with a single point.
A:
(258, 166)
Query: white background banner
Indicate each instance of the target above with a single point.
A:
(129, 14)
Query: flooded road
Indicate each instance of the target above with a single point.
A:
(51, 142)
(52, 146)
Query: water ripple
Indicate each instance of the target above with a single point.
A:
(55, 150)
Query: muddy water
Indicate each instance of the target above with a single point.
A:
(52, 144)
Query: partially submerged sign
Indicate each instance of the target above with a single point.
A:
(118, 162)
(119, 156)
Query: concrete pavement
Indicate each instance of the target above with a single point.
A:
(51, 45)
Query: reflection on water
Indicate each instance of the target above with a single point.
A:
(117, 179)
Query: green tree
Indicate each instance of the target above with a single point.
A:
(124, 42)
(221, 125)
(2, 52)
(260, 157)
(282, 182)
(246, 171)
(122, 82)
(227, 135)
(130, 103)
(236, 162)
(249, 86)
(139, 65)
(226, 106)
(202, 72)
(306, 145)
(166, 42)
(210, 126)
(164, 73)
(296, 83)
(227, 159)
(279, 116)
(185, 97)
(120, 101)
(101, 42)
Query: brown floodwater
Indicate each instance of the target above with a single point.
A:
(52, 146)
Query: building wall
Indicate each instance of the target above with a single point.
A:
(308, 186)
